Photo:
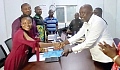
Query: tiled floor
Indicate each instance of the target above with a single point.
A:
(2, 68)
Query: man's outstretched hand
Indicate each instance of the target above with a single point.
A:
(66, 52)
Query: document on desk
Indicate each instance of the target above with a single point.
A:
(49, 54)
(55, 53)
(34, 58)
(52, 37)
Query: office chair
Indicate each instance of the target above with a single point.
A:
(3, 56)
(62, 30)
(116, 40)
(8, 42)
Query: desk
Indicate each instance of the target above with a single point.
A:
(43, 66)
(79, 61)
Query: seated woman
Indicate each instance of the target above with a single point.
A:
(22, 40)
(112, 52)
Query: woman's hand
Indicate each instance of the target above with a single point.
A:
(42, 50)
(58, 45)
(110, 51)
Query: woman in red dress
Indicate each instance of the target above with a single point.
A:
(22, 40)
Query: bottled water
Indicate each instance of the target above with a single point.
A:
(55, 36)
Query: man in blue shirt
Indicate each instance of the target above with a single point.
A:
(51, 23)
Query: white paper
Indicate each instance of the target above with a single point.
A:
(51, 37)
(34, 58)
(50, 48)
(69, 35)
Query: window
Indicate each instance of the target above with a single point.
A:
(60, 14)
(71, 10)
(65, 14)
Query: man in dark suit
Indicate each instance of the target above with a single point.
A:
(75, 25)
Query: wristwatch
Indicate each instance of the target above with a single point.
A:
(70, 50)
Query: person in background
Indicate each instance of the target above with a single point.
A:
(98, 12)
(75, 25)
(95, 30)
(112, 51)
(22, 40)
(40, 23)
(26, 10)
(51, 23)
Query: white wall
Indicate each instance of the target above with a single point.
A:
(110, 8)
(118, 19)
(26, 1)
(44, 5)
(10, 10)
(94, 3)
(3, 28)
(65, 2)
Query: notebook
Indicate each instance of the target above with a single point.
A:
(53, 56)
(52, 59)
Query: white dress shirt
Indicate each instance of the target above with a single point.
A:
(95, 31)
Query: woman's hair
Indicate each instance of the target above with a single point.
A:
(23, 16)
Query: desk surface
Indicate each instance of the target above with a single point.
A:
(79, 61)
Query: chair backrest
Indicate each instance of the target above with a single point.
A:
(8, 42)
(3, 56)
(63, 36)
(116, 40)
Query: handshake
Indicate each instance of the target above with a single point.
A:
(58, 45)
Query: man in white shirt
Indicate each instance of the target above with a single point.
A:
(95, 30)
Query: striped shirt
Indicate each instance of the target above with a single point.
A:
(51, 23)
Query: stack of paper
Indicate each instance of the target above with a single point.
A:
(52, 37)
